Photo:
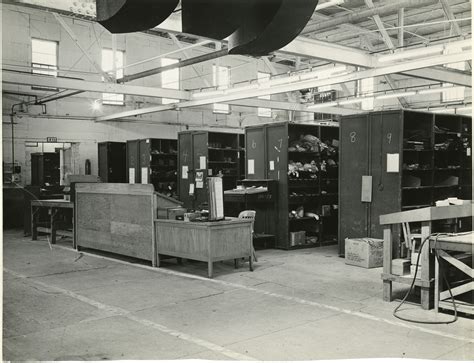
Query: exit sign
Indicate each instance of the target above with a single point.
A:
(51, 139)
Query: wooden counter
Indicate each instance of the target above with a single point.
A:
(116, 218)
(204, 241)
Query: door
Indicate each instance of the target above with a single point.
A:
(133, 176)
(386, 143)
(254, 152)
(354, 141)
(276, 141)
(103, 150)
(144, 161)
(201, 169)
(185, 165)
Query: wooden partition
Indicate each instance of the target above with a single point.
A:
(116, 218)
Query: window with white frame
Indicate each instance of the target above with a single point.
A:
(455, 94)
(44, 57)
(221, 79)
(108, 66)
(170, 78)
(263, 111)
(366, 87)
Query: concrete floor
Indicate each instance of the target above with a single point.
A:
(60, 304)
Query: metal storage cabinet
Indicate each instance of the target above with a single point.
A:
(133, 161)
(158, 165)
(432, 161)
(45, 169)
(112, 162)
(267, 150)
(203, 154)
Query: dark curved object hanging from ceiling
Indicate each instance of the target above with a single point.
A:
(128, 16)
(270, 25)
(253, 27)
(215, 19)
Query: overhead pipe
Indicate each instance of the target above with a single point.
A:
(380, 10)
(180, 64)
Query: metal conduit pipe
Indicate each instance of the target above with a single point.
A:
(380, 10)
(180, 64)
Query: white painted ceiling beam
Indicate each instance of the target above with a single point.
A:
(311, 48)
(279, 85)
(441, 74)
(39, 80)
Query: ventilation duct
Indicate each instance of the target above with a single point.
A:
(270, 25)
(128, 16)
(215, 19)
(252, 27)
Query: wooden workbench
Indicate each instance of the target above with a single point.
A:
(453, 249)
(56, 208)
(425, 216)
(204, 241)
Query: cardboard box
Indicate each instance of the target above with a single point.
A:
(170, 212)
(297, 238)
(413, 269)
(401, 266)
(364, 252)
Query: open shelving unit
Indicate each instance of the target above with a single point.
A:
(203, 154)
(158, 165)
(433, 162)
(306, 171)
(112, 161)
(153, 161)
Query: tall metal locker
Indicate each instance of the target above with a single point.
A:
(112, 162)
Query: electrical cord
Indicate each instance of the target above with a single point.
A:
(436, 235)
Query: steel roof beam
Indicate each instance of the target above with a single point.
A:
(391, 7)
(272, 87)
(28, 79)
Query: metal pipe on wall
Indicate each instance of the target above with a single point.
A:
(180, 64)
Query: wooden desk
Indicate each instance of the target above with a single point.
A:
(204, 241)
(55, 208)
(425, 216)
(463, 243)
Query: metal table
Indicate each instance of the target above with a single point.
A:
(56, 208)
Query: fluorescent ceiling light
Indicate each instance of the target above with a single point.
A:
(411, 53)
(395, 95)
(352, 101)
(208, 94)
(437, 90)
(329, 4)
(242, 88)
(322, 105)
